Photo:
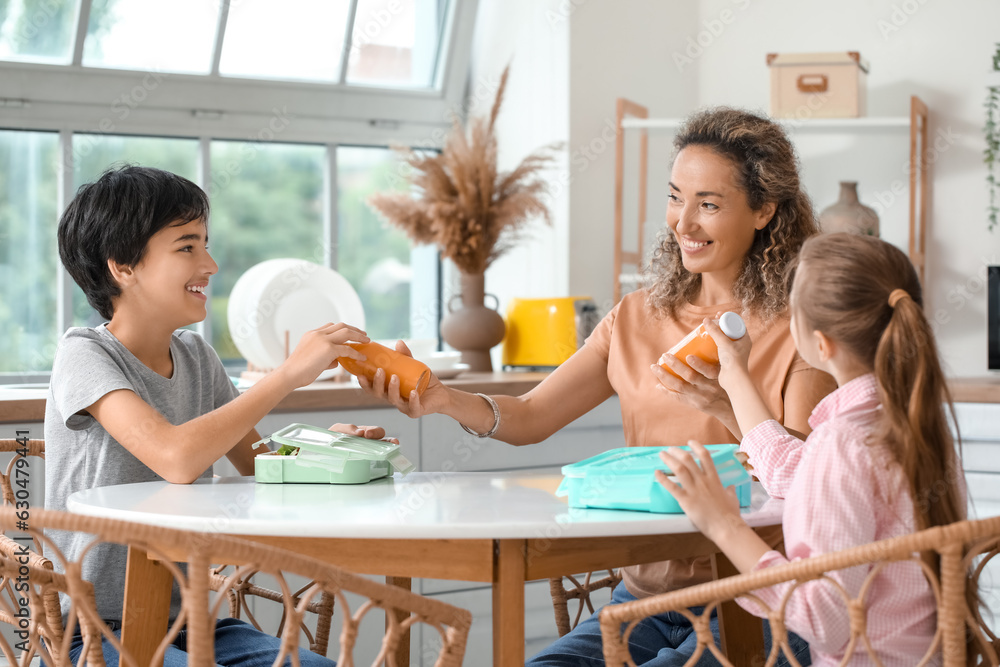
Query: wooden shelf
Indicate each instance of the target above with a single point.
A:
(853, 124)
(975, 390)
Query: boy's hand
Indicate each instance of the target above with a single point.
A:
(734, 355)
(712, 508)
(319, 349)
(370, 432)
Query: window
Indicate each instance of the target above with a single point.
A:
(267, 202)
(305, 39)
(158, 35)
(378, 260)
(28, 257)
(384, 43)
(395, 42)
(314, 90)
(38, 31)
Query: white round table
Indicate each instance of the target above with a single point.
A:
(503, 528)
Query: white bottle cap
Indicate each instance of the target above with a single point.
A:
(733, 325)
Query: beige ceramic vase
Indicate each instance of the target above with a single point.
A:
(474, 328)
(848, 214)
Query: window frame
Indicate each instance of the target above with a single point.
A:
(73, 99)
(43, 96)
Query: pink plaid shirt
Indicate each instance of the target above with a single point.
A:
(841, 492)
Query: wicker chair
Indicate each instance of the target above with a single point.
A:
(238, 592)
(964, 549)
(579, 588)
(11, 548)
(240, 588)
(199, 611)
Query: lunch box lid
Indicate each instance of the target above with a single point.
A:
(322, 448)
(639, 461)
(623, 479)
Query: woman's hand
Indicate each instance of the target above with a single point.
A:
(415, 405)
(370, 432)
(319, 350)
(698, 384)
(734, 355)
(712, 508)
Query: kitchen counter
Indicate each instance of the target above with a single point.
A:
(28, 405)
(975, 390)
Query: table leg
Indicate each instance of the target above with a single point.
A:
(741, 634)
(146, 609)
(508, 603)
(403, 650)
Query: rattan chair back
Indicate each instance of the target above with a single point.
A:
(200, 609)
(15, 544)
(964, 549)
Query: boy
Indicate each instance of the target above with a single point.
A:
(137, 399)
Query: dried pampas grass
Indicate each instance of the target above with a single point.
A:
(464, 205)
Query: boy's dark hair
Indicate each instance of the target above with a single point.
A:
(114, 217)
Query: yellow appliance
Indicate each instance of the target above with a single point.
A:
(543, 333)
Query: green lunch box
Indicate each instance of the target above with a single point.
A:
(622, 479)
(327, 457)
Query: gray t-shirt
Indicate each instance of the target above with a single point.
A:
(80, 454)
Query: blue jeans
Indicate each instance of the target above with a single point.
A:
(666, 640)
(237, 643)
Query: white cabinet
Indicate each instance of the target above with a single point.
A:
(446, 446)
(979, 426)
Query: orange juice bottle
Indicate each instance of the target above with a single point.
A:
(412, 374)
(700, 344)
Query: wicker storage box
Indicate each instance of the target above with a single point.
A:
(818, 85)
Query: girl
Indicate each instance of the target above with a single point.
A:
(879, 444)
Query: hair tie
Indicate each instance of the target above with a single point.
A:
(896, 295)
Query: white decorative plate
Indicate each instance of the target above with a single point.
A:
(292, 295)
(454, 371)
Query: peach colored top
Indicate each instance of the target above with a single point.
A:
(633, 336)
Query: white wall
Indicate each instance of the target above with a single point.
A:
(531, 36)
(937, 50)
(618, 49)
(570, 60)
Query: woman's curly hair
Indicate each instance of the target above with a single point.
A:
(767, 168)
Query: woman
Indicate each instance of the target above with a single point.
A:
(736, 217)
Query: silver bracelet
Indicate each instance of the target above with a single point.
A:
(496, 419)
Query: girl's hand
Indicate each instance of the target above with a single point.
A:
(734, 355)
(712, 508)
(370, 432)
(415, 405)
(319, 349)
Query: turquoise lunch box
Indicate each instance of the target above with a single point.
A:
(622, 479)
(327, 457)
